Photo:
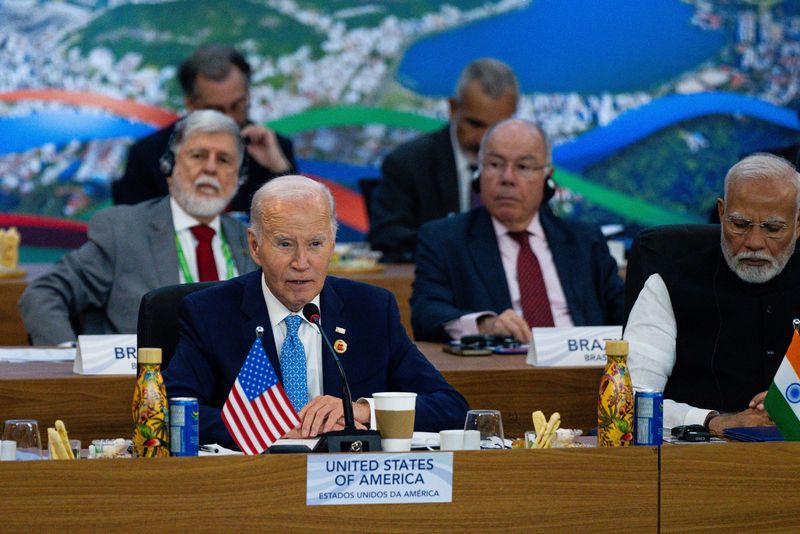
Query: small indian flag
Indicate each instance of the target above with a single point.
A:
(783, 398)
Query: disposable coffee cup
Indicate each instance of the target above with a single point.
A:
(394, 412)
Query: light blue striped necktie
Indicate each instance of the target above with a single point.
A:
(293, 364)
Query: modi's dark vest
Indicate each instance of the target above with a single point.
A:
(732, 335)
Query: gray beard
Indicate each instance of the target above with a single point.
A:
(201, 206)
(753, 274)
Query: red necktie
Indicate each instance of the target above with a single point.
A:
(206, 265)
(533, 295)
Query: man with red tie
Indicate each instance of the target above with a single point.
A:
(512, 264)
(133, 249)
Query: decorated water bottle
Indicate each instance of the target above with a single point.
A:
(615, 401)
(150, 409)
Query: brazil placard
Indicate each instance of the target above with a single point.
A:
(379, 478)
(111, 354)
(570, 346)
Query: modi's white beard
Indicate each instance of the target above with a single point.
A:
(198, 205)
(752, 273)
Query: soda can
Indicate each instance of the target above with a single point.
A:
(649, 417)
(184, 426)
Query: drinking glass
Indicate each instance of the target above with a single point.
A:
(75, 445)
(490, 424)
(25, 432)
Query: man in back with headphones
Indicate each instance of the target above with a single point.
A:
(512, 264)
(214, 77)
(431, 176)
(133, 249)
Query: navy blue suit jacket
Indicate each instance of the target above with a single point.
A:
(218, 328)
(419, 184)
(459, 271)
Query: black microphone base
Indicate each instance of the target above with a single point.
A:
(349, 440)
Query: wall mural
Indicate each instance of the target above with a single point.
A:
(648, 103)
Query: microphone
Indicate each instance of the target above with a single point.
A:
(350, 439)
(311, 313)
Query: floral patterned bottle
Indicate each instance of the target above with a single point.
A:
(150, 410)
(615, 402)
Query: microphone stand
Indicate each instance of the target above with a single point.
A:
(349, 439)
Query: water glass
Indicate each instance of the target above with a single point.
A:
(25, 433)
(75, 445)
(490, 424)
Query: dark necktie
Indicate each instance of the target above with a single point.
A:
(206, 265)
(533, 294)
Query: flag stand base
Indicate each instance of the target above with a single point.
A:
(349, 440)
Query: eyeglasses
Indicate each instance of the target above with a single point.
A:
(199, 157)
(772, 229)
(522, 168)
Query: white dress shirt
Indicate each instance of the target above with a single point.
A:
(651, 332)
(182, 222)
(308, 334)
(509, 250)
(465, 175)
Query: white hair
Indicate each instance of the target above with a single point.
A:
(290, 187)
(763, 166)
(205, 121)
(760, 167)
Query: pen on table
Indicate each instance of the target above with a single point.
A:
(210, 448)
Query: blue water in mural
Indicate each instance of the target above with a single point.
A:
(59, 127)
(585, 46)
(600, 143)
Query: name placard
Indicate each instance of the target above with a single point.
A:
(379, 478)
(106, 355)
(571, 346)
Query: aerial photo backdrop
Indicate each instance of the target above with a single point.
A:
(647, 103)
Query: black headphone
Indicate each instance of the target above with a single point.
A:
(549, 186)
(166, 163)
(548, 192)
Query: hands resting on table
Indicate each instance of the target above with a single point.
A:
(754, 415)
(326, 413)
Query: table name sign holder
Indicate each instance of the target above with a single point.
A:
(573, 346)
(106, 355)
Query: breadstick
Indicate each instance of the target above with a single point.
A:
(62, 433)
(543, 440)
(553, 425)
(56, 447)
(539, 423)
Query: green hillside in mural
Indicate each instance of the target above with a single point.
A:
(369, 14)
(165, 34)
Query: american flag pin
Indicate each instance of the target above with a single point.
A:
(340, 330)
(340, 346)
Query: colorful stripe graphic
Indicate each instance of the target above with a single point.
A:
(153, 115)
(783, 398)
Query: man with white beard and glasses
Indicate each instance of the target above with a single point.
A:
(711, 330)
(133, 249)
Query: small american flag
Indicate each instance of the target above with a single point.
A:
(258, 412)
